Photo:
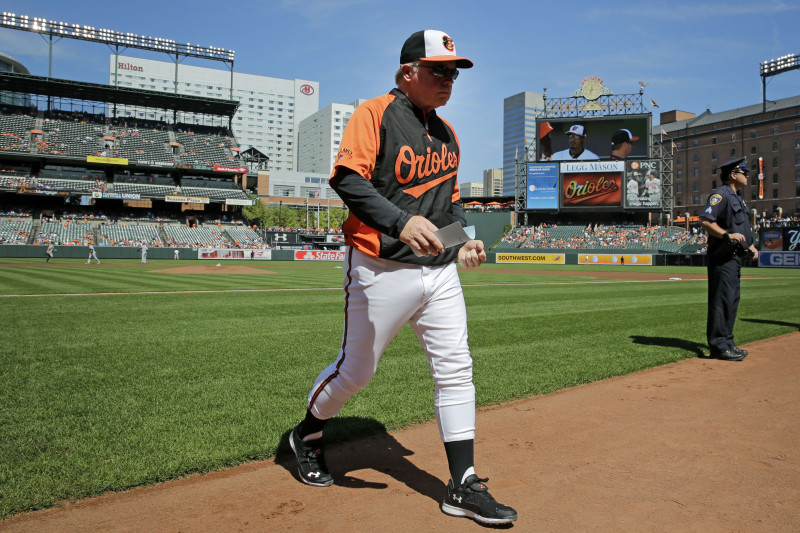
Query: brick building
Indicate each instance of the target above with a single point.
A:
(700, 144)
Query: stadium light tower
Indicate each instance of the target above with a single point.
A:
(54, 29)
(774, 67)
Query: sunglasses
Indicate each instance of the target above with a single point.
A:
(441, 71)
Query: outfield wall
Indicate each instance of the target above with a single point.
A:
(103, 252)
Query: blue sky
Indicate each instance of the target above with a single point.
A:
(693, 55)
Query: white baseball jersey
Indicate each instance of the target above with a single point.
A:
(564, 155)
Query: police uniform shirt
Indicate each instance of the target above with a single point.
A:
(727, 209)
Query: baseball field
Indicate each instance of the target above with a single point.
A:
(124, 375)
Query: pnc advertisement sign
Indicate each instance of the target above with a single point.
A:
(592, 184)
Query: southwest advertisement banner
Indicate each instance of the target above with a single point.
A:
(542, 186)
(592, 184)
(615, 259)
(643, 185)
(318, 255)
(542, 259)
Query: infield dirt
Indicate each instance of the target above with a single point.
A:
(698, 445)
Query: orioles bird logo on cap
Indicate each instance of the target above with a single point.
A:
(448, 44)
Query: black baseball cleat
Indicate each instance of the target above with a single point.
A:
(310, 461)
(727, 355)
(472, 499)
(736, 349)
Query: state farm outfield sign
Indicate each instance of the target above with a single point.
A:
(318, 255)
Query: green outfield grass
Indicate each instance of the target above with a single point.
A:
(115, 376)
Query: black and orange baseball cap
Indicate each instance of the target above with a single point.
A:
(431, 45)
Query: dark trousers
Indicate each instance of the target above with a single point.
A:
(723, 302)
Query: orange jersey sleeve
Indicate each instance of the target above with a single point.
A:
(361, 140)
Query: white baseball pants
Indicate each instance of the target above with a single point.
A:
(380, 298)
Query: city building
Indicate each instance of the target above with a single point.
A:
(519, 131)
(493, 182)
(268, 116)
(319, 136)
(470, 189)
(9, 64)
(701, 144)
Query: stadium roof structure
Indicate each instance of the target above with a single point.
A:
(97, 92)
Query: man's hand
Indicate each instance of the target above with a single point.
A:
(418, 234)
(737, 237)
(755, 252)
(471, 254)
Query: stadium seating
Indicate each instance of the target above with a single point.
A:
(611, 237)
(66, 233)
(141, 144)
(129, 234)
(245, 237)
(16, 132)
(70, 138)
(205, 150)
(144, 189)
(15, 231)
(195, 236)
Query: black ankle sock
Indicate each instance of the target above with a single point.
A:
(310, 424)
(460, 457)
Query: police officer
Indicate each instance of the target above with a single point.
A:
(730, 243)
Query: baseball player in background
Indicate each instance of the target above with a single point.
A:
(49, 253)
(143, 250)
(397, 172)
(92, 255)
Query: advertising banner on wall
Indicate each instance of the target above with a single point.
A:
(542, 186)
(591, 184)
(779, 259)
(615, 259)
(542, 259)
(780, 248)
(780, 239)
(318, 255)
(224, 253)
(643, 184)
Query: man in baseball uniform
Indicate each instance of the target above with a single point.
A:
(576, 137)
(633, 190)
(143, 250)
(92, 255)
(653, 186)
(397, 172)
(49, 253)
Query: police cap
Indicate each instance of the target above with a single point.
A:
(728, 167)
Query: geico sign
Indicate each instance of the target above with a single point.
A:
(777, 259)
